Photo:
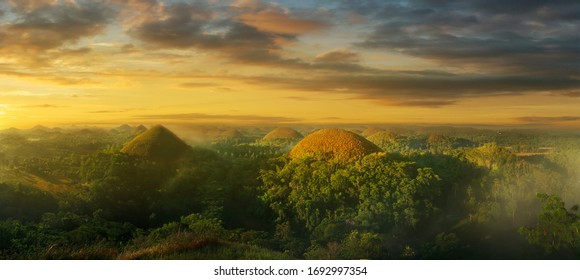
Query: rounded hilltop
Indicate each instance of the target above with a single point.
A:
(230, 134)
(383, 138)
(282, 133)
(158, 144)
(334, 143)
(371, 130)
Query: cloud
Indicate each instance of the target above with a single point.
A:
(429, 103)
(39, 26)
(424, 89)
(135, 12)
(248, 32)
(282, 23)
(128, 48)
(42, 106)
(219, 118)
(572, 93)
(547, 120)
(338, 55)
(72, 52)
(479, 48)
(194, 26)
(198, 85)
(29, 5)
(537, 37)
(107, 111)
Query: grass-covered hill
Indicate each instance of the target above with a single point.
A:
(382, 138)
(282, 133)
(333, 143)
(230, 134)
(158, 144)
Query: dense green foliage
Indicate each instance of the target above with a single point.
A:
(557, 227)
(434, 193)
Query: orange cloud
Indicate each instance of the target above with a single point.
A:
(275, 22)
(42, 26)
(29, 5)
(338, 55)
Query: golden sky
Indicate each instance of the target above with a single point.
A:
(65, 62)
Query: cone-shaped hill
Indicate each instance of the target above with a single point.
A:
(139, 129)
(158, 144)
(282, 133)
(334, 143)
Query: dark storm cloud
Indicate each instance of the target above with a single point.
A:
(545, 120)
(538, 37)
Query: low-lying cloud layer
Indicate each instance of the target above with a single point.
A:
(547, 120)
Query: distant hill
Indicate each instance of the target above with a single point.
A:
(158, 144)
(230, 134)
(40, 128)
(139, 129)
(371, 130)
(383, 138)
(332, 143)
(125, 128)
(282, 133)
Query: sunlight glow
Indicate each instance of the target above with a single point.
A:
(111, 62)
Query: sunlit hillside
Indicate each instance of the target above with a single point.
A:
(334, 144)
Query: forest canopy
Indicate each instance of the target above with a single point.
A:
(126, 193)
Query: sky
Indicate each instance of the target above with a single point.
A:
(105, 62)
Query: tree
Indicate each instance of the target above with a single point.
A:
(557, 229)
